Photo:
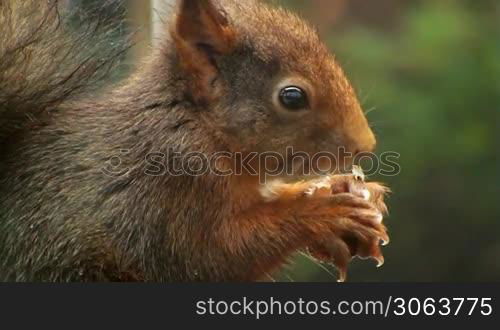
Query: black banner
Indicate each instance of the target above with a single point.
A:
(155, 306)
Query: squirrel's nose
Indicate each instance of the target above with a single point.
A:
(366, 143)
(360, 140)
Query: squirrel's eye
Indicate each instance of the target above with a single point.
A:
(293, 98)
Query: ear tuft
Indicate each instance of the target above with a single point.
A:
(199, 22)
(202, 32)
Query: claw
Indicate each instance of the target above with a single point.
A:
(380, 261)
(384, 237)
(358, 173)
(342, 276)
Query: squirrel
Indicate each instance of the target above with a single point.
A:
(227, 77)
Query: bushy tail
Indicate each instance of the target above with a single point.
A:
(50, 53)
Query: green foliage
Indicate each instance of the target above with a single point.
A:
(434, 79)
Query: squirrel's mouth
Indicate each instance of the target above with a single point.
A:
(320, 165)
(355, 170)
(306, 172)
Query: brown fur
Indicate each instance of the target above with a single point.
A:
(207, 88)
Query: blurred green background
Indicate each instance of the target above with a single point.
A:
(431, 72)
(428, 73)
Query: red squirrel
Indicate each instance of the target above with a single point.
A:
(230, 77)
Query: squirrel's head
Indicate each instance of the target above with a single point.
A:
(266, 78)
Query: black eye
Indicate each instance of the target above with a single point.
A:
(293, 98)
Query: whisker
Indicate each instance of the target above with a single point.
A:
(365, 96)
(270, 277)
(370, 110)
(379, 123)
(319, 264)
(290, 279)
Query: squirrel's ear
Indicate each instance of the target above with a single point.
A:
(201, 34)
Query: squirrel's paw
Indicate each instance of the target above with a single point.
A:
(343, 214)
(371, 192)
(352, 238)
(320, 187)
(357, 210)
